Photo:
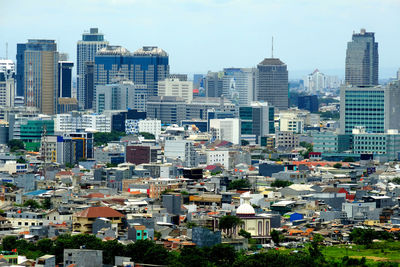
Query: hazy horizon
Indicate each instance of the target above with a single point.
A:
(203, 35)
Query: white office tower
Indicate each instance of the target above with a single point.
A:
(7, 65)
(7, 83)
(88, 122)
(150, 126)
(176, 87)
(239, 85)
(226, 130)
(87, 48)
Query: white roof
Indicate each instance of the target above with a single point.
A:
(283, 203)
(301, 187)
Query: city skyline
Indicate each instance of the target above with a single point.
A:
(200, 26)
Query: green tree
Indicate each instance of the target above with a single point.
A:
(9, 243)
(147, 136)
(244, 143)
(244, 233)
(111, 249)
(105, 138)
(348, 159)
(111, 165)
(69, 165)
(228, 222)
(193, 256)
(45, 246)
(31, 203)
(362, 236)
(21, 160)
(281, 183)
(314, 249)
(222, 255)
(15, 144)
(276, 236)
(396, 180)
(46, 203)
(337, 165)
(190, 225)
(239, 184)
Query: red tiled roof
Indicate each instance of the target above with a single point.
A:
(96, 212)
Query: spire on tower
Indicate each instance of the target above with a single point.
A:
(272, 47)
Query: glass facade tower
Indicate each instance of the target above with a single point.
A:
(362, 60)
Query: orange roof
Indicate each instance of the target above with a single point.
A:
(394, 230)
(95, 195)
(64, 173)
(96, 212)
(213, 213)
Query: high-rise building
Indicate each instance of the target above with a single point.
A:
(121, 95)
(7, 83)
(226, 129)
(65, 78)
(273, 84)
(89, 84)
(308, 102)
(362, 60)
(38, 61)
(176, 87)
(87, 48)
(257, 120)
(398, 75)
(239, 85)
(151, 65)
(213, 84)
(7, 65)
(375, 108)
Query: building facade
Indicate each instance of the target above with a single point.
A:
(87, 48)
(226, 129)
(176, 87)
(362, 60)
(239, 85)
(120, 95)
(273, 83)
(38, 61)
(257, 120)
(375, 108)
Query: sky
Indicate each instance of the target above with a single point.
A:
(203, 35)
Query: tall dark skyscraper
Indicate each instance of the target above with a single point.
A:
(362, 60)
(87, 48)
(65, 78)
(273, 83)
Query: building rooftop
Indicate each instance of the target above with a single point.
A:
(95, 212)
(272, 61)
(150, 51)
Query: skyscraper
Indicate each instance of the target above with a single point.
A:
(213, 84)
(239, 85)
(86, 50)
(65, 78)
(38, 61)
(362, 60)
(257, 120)
(273, 84)
(151, 65)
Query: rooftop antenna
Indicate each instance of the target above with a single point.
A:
(272, 47)
(6, 50)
